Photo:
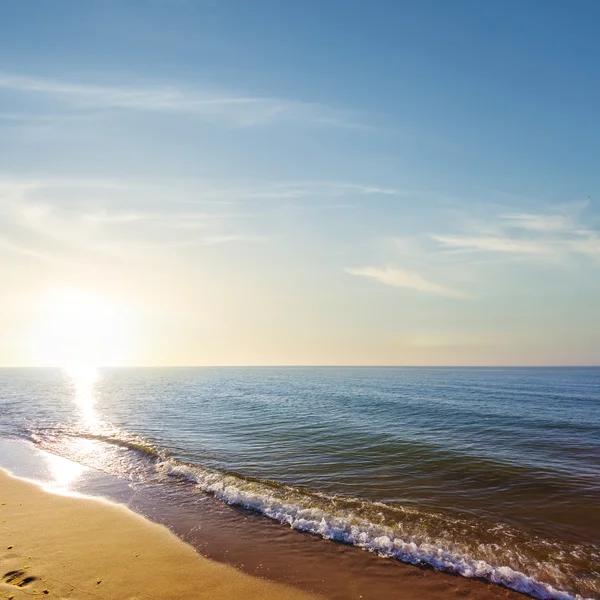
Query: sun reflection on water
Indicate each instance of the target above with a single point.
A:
(63, 473)
(84, 380)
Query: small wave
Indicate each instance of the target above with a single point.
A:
(303, 511)
(446, 542)
(138, 445)
(108, 434)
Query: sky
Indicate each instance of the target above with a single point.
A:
(224, 182)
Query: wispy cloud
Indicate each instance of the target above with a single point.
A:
(405, 279)
(237, 109)
(45, 217)
(66, 220)
(306, 190)
(555, 237)
(503, 244)
(539, 222)
(468, 255)
(191, 192)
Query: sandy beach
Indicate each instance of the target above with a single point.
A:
(71, 547)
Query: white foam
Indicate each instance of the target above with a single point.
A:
(351, 529)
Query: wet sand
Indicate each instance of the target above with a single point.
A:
(70, 547)
(259, 546)
(235, 540)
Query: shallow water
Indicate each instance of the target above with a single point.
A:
(491, 473)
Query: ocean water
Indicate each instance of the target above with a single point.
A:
(487, 473)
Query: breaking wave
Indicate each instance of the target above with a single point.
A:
(340, 519)
(450, 542)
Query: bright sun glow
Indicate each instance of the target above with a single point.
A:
(78, 330)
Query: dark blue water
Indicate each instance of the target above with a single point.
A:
(491, 473)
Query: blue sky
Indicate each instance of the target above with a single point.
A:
(305, 182)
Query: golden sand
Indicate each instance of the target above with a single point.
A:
(68, 547)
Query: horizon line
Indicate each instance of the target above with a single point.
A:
(312, 366)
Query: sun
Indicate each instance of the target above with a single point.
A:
(77, 329)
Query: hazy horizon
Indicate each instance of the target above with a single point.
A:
(307, 366)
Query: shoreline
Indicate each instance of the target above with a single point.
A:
(241, 542)
(62, 546)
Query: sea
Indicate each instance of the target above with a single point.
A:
(485, 473)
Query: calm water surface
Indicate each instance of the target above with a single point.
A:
(491, 473)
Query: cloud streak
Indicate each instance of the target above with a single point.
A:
(61, 217)
(240, 110)
(558, 237)
(554, 237)
(65, 220)
(503, 244)
(405, 279)
(539, 222)
(198, 191)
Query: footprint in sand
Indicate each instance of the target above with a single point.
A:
(18, 578)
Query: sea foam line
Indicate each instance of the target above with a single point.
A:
(358, 532)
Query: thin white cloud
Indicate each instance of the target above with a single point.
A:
(405, 279)
(470, 253)
(197, 191)
(339, 188)
(494, 244)
(239, 110)
(311, 189)
(555, 237)
(44, 217)
(54, 219)
(539, 222)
